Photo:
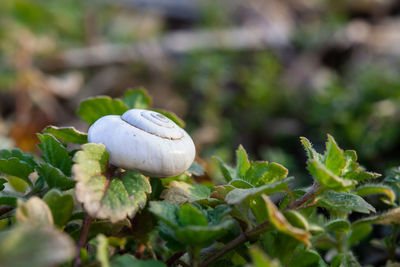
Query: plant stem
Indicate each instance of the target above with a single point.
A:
(341, 238)
(5, 210)
(246, 236)
(82, 238)
(306, 197)
(174, 258)
(139, 251)
(194, 256)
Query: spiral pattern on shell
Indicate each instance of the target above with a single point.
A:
(146, 141)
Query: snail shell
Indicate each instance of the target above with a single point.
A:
(145, 141)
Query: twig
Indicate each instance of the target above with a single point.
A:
(5, 209)
(244, 237)
(82, 238)
(139, 251)
(306, 197)
(174, 258)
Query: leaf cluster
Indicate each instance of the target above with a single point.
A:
(71, 206)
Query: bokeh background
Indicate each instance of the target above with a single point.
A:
(259, 72)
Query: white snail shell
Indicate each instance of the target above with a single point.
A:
(146, 141)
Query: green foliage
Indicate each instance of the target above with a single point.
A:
(190, 225)
(23, 246)
(128, 260)
(260, 259)
(344, 202)
(55, 153)
(92, 109)
(137, 98)
(54, 177)
(16, 168)
(77, 195)
(17, 153)
(180, 192)
(103, 195)
(67, 134)
(61, 206)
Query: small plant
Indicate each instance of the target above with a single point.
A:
(73, 207)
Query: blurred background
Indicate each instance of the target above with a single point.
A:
(259, 72)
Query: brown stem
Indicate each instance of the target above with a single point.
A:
(306, 197)
(174, 258)
(82, 238)
(246, 236)
(139, 251)
(5, 209)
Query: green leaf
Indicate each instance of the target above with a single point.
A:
(238, 195)
(358, 233)
(102, 250)
(311, 153)
(242, 162)
(136, 98)
(214, 216)
(104, 196)
(228, 172)
(351, 162)
(127, 260)
(194, 235)
(325, 177)
(181, 192)
(2, 182)
(26, 246)
(55, 153)
(168, 234)
(188, 224)
(296, 219)
(338, 225)
(344, 202)
(262, 172)
(334, 157)
(345, 260)
(371, 189)
(387, 218)
(61, 206)
(8, 200)
(307, 258)
(279, 221)
(17, 153)
(172, 116)
(260, 259)
(34, 212)
(196, 169)
(16, 167)
(67, 134)
(54, 177)
(190, 215)
(165, 211)
(19, 185)
(361, 176)
(92, 109)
